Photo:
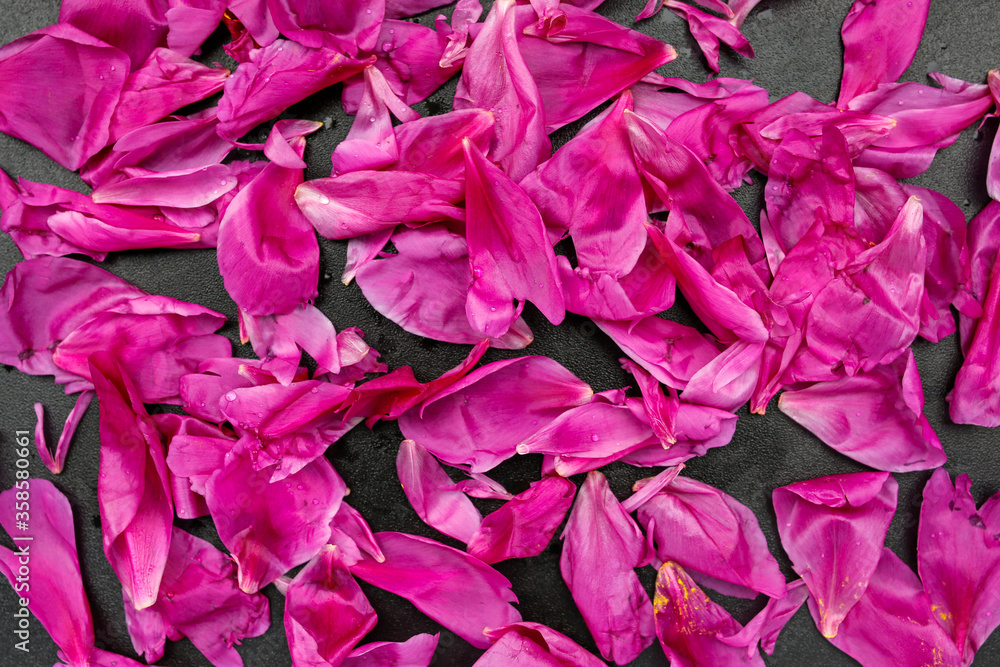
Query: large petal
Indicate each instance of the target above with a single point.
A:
(326, 614)
(602, 546)
(46, 544)
(133, 491)
(534, 645)
(958, 557)
(424, 481)
(525, 524)
(457, 590)
(833, 529)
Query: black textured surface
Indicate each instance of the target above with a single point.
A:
(798, 48)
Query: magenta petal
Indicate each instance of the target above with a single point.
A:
(433, 145)
(408, 55)
(976, 396)
(958, 557)
(708, 30)
(272, 527)
(833, 529)
(509, 251)
(869, 313)
(423, 287)
(591, 187)
(326, 614)
(133, 491)
(708, 531)
(199, 600)
(55, 461)
(276, 77)
(54, 593)
(52, 96)
(525, 524)
(875, 418)
(602, 546)
(454, 589)
(671, 352)
(768, 623)
(417, 651)
(371, 143)
(587, 60)
(691, 627)
(362, 202)
(880, 40)
(534, 645)
(351, 533)
(347, 27)
(893, 622)
(495, 77)
(134, 26)
(424, 481)
(480, 420)
(268, 253)
(164, 83)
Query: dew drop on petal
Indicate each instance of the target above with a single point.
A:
(314, 390)
(477, 272)
(595, 437)
(300, 487)
(493, 309)
(231, 396)
(323, 199)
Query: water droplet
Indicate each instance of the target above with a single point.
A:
(288, 485)
(595, 437)
(170, 596)
(315, 502)
(368, 11)
(372, 119)
(788, 525)
(858, 414)
(784, 277)
(300, 487)
(534, 422)
(101, 77)
(393, 32)
(314, 390)
(112, 68)
(260, 414)
(878, 38)
(496, 182)
(477, 272)
(858, 543)
(203, 404)
(231, 396)
(152, 27)
(901, 103)
(909, 4)
(387, 46)
(223, 182)
(493, 309)
(323, 199)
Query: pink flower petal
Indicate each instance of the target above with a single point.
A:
(691, 626)
(534, 645)
(958, 557)
(509, 251)
(54, 593)
(525, 524)
(602, 546)
(708, 531)
(424, 481)
(133, 491)
(454, 589)
(833, 529)
(326, 614)
(417, 651)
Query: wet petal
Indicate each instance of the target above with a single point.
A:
(833, 529)
(424, 481)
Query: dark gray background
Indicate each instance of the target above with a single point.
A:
(798, 48)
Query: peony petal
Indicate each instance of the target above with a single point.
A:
(602, 546)
(691, 626)
(272, 527)
(199, 600)
(893, 622)
(525, 524)
(326, 613)
(880, 40)
(833, 529)
(871, 417)
(534, 644)
(424, 481)
(53, 98)
(509, 251)
(46, 543)
(347, 27)
(495, 77)
(957, 556)
(454, 589)
(768, 623)
(708, 531)
(417, 651)
(133, 491)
